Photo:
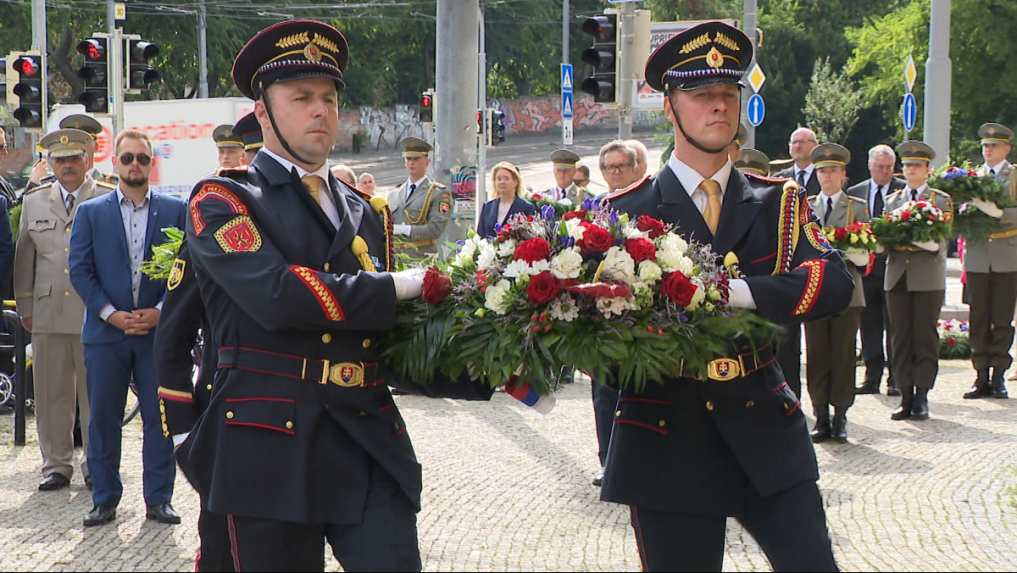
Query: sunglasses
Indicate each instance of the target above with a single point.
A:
(128, 158)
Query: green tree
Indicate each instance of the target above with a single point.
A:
(832, 103)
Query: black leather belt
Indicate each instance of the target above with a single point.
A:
(741, 365)
(345, 374)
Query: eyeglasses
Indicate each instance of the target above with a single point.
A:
(616, 168)
(802, 141)
(128, 158)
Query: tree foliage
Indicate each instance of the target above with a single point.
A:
(832, 103)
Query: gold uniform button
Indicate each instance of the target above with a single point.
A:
(750, 404)
(362, 413)
(67, 294)
(326, 338)
(289, 425)
(327, 267)
(663, 423)
(617, 414)
(209, 387)
(709, 406)
(67, 249)
(67, 271)
(229, 415)
(367, 343)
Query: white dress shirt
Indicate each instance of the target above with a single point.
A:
(328, 204)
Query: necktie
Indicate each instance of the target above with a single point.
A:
(711, 214)
(829, 211)
(69, 204)
(877, 203)
(801, 178)
(992, 173)
(413, 187)
(914, 195)
(311, 183)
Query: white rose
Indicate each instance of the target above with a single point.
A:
(675, 243)
(487, 256)
(565, 201)
(668, 260)
(496, 297)
(619, 264)
(507, 249)
(650, 272)
(574, 229)
(567, 264)
(697, 298)
(685, 265)
(632, 232)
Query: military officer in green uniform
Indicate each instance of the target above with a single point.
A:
(230, 146)
(915, 285)
(564, 163)
(992, 273)
(830, 342)
(421, 208)
(753, 161)
(90, 126)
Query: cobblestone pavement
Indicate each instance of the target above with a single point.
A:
(508, 489)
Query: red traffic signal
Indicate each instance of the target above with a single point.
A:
(27, 65)
(602, 28)
(426, 111)
(93, 49)
(425, 101)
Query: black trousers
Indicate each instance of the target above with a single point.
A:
(385, 539)
(213, 532)
(789, 357)
(605, 402)
(875, 321)
(992, 298)
(790, 527)
(913, 317)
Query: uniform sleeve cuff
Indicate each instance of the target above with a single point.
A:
(740, 295)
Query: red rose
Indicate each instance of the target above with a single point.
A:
(543, 287)
(437, 286)
(972, 174)
(595, 239)
(641, 250)
(581, 215)
(650, 225)
(532, 250)
(678, 288)
(905, 215)
(537, 197)
(840, 233)
(952, 342)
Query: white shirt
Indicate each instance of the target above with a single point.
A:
(690, 180)
(995, 169)
(825, 200)
(328, 204)
(64, 193)
(875, 188)
(907, 192)
(808, 173)
(410, 185)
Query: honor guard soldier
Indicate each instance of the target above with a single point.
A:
(753, 161)
(916, 285)
(50, 308)
(688, 453)
(830, 342)
(991, 269)
(421, 207)
(230, 147)
(249, 131)
(301, 441)
(564, 168)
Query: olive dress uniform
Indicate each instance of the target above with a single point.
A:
(688, 453)
(991, 269)
(915, 285)
(565, 159)
(425, 206)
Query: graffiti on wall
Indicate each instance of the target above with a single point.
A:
(386, 126)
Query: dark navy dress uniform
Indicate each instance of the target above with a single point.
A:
(689, 453)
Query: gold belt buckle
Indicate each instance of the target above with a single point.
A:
(346, 374)
(723, 369)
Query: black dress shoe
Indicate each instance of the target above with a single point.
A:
(868, 389)
(838, 431)
(981, 388)
(88, 482)
(54, 481)
(998, 388)
(821, 431)
(100, 515)
(920, 409)
(907, 401)
(891, 388)
(163, 513)
(599, 478)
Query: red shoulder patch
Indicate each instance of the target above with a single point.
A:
(230, 171)
(213, 191)
(766, 178)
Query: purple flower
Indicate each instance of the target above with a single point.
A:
(614, 217)
(547, 212)
(588, 204)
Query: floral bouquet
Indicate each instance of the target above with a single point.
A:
(541, 199)
(857, 237)
(626, 301)
(963, 184)
(954, 339)
(915, 222)
(163, 255)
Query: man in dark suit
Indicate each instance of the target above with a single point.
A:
(301, 384)
(6, 189)
(875, 320)
(111, 237)
(689, 453)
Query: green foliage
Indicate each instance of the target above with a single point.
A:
(159, 266)
(832, 103)
(963, 184)
(15, 217)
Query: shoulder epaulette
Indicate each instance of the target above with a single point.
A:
(362, 194)
(893, 195)
(105, 185)
(232, 172)
(39, 187)
(857, 200)
(767, 178)
(938, 192)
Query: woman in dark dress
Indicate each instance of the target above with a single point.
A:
(508, 185)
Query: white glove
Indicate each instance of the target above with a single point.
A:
(401, 230)
(931, 246)
(880, 249)
(988, 207)
(858, 258)
(408, 284)
(740, 295)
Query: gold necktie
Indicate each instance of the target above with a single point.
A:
(311, 183)
(712, 211)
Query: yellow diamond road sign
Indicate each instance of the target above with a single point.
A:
(910, 73)
(756, 77)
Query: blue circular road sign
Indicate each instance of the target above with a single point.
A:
(757, 110)
(909, 111)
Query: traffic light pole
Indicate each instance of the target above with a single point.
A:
(626, 70)
(39, 44)
(749, 27)
(482, 106)
(116, 79)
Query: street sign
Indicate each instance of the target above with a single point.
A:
(566, 77)
(757, 110)
(756, 77)
(566, 130)
(910, 73)
(910, 112)
(566, 105)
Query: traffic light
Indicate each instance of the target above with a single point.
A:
(427, 107)
(603, 57)
(480, 122)
(140, 73)
(31, 82)
(495, 127)
(10, 79)
(95, 74)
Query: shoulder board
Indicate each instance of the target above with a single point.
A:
(938, 192)
(363, 195)
(439, 185)
(857, 199)
(893, 196)
(767, 179)
(42, 186)
(232, 172)
(105, 185)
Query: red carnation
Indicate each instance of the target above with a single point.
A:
(972, 174)
(595, 239)
(678, 288)
(650, 225)
(581, 215)
(542, 288)
(641, 250)
(952, 342)
(840, 233)
(905, 215)
(437, 286)
(532, 250)
(537, 197)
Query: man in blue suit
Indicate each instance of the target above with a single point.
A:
(111, 237)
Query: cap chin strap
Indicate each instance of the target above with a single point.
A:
(695, 143)
(282, 140)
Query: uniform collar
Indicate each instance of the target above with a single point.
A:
(418, 182)
(997, 167)
(288, 165)
(691, 179)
